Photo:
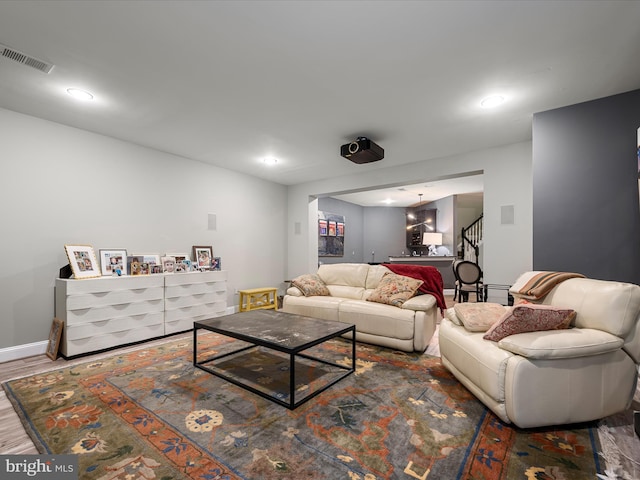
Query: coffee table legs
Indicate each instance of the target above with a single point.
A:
(291, 404)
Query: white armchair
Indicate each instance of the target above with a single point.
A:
(556, 377)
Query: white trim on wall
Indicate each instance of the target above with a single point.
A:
(23, 351)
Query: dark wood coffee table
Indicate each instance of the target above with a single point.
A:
(276, 330)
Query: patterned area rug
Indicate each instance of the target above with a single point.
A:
(149, 414)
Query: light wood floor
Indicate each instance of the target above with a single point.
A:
(621, 446)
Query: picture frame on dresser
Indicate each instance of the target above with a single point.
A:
(216, 265)
(168, 264)
(179, 257)
(83, 261)
(203, 256)
(112, 260)
(55, 334)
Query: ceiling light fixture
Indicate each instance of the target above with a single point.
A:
(492, 101)
(79, 94)
(269, 160)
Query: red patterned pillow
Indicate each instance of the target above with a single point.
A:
(530, 318)
(310, 285)
(395, 289)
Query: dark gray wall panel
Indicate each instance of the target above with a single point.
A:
(586, 216)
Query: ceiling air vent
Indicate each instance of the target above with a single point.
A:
(19, 57)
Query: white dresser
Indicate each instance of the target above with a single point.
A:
(106, 312)
(189, 297)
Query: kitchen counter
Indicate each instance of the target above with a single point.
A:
(442, 263)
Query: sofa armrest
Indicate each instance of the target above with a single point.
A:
(294, 292)
(420, 303)
(571, 343)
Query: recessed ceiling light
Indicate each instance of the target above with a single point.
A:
(388, 201)
(270, 160)
(79, 94)
(492, 101)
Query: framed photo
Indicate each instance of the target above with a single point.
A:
(156, 269)
(322, 228)
(113, 260)
(203, 256)
(54, 338)
(83, 261)
(150, 258)
(216, 264)
(168, 264)
(180, 257)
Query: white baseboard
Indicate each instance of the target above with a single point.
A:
(23, 351)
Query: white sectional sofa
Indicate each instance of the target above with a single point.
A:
(408, 328)
(555, 377)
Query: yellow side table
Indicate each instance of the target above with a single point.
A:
(258, 298)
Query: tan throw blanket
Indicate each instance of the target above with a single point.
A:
(537, 284)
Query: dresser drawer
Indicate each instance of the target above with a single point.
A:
(113, 325)
(209, 310)
(108, 284)
(193, 278)
(192, 300)
(122, 310)
(99, 342)
(115, 297)
(194, 289)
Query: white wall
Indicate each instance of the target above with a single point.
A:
(507, 181)
(64, 185)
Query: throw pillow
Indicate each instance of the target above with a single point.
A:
(310, 285)
(395, 289)
(479, 317)
(530, 318)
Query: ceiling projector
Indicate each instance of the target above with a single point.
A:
(362, 150)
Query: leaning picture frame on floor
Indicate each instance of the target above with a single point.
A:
(203, 256)
(83, 261)
(55, 334)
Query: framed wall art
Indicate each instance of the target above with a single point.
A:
(331, 234)
(113, 260)
(322, 228)
(54, 338)
(203, 256)
(83, 261)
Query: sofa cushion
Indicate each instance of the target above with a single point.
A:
(478, 317)
(325, 308)
(348, 274)
(395, 289)
(530, 318)
(378, 319)
(573, 343)
(310, 285)
(450, 313)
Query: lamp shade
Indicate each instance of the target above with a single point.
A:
(432, 238)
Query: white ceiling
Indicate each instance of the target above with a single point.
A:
(412, 195)
(229, 82)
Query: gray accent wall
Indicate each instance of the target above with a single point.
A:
(586, 217)
(367, 229)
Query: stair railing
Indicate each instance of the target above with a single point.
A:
(471, 238)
